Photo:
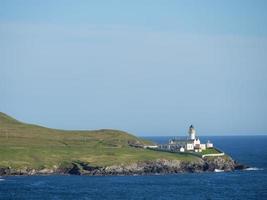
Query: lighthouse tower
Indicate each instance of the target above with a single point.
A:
(192, 133)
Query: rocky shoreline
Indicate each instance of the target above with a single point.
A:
(160, 166)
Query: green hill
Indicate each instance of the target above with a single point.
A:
(30, 146)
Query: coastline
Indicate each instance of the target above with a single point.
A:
(157, 167)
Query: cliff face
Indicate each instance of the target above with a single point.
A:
(221, 162)
(160, 166)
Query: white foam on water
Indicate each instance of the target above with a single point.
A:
(1, 179)
(218, 170)
(253, 169)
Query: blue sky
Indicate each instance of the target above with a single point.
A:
(147, 67)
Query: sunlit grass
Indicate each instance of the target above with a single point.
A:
(24, 145)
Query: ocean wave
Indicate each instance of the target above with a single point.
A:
(1, 179)
(253, 169)
(218, 170)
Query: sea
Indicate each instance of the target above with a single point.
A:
(243, 185)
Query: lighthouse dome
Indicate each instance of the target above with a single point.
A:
(191, 128)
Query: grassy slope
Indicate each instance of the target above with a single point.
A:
(25, 145)
(210, 151)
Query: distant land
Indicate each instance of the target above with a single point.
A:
(27, 149)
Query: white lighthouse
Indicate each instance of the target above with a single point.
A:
(192, 133)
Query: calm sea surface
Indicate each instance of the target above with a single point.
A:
(251, 150)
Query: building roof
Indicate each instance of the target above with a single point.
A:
(182, 141)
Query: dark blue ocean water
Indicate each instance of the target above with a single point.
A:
(250, 150)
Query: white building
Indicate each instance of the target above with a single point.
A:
(209, 144)
(190, 146)
(192, 143)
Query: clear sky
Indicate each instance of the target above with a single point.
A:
(147, 67)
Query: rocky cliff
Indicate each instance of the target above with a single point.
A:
(160, 166)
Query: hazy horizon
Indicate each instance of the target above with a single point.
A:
(151, 68)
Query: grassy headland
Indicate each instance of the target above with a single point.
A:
(30, 146)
